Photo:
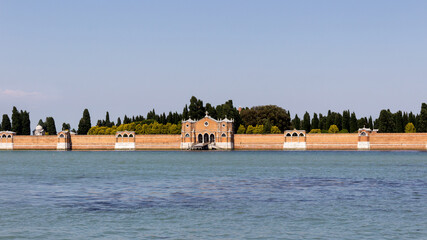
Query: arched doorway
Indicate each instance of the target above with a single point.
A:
(212, 138)
(206, 138)
(200, 138)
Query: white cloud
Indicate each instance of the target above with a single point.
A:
(19, 93)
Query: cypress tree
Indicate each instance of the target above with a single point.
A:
(398, 122)
(321, 122)
(66, 126)
(315, 122)
(185, 112)
(119, 122)
(26, 124)
(196, 109)
(296, 122)
(353, 123)
(329, 120)
(107, 119)
(84, 124)
(346, 120)
(385, 122)
(422, 120)
(50, 126)
(5, 123)
(370, 124)
(338, 120)
(306, 123)
(16, 121)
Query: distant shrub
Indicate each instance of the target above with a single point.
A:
(333, 129)
(259, 129)
(410, 128)
(343, 131)
(250, 129)
(241, 129)
(315, 131)
(275, 130)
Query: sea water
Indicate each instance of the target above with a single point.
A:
(213, 195)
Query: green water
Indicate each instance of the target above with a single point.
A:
(213, 195)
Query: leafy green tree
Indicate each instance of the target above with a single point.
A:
(241, 129)
(259, 114)
(306, 122)
(50, 126)
(296, 122)
(315, 122)
(267, 126)
(66, 126)
(353, 123)
(5, 123)
(343, 131)
(26, 123)
(84, 124)
(250, 129)
(333, 129)
(422, 121)
(275, 130)
(16, 121)
(410, 128)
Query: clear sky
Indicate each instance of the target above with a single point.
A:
(127, 57)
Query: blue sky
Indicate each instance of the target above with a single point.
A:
(127, 57)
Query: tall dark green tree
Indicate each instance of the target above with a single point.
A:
(315, 122)
(399, 127)
(107, 120)
(196, 108)
(296, 122)
(84, 124)
(370, 123)
(385, 122)
(422, 120)
(346, 120)
(66, 126)
(353, 123)
(185, 112)
(211, 110)
(329, 119)
(50, 126)
(307, 122)
(338, 120)
(16, 121)
(119, 122)
(26, 124)
(5, 123)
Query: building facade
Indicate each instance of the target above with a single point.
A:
(207, 133)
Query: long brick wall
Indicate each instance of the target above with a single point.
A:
(93, 142)
(326, 141)
(398, 141)
(153, 142)
(377, 141)
(258, 141)
(35, 142)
